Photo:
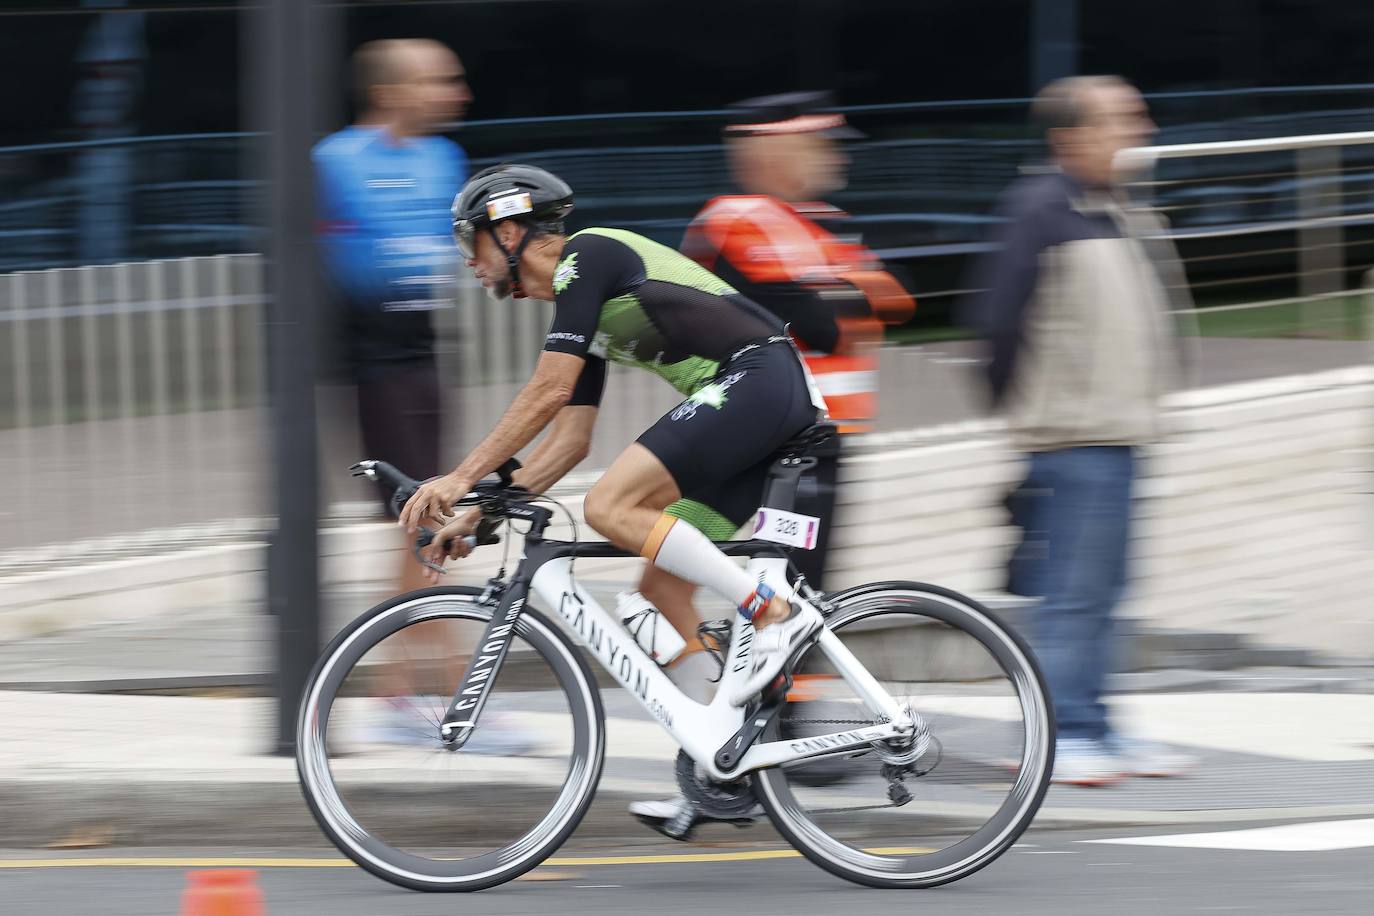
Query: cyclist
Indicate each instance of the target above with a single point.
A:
(624, 298)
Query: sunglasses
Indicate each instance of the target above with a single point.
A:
(465, 235)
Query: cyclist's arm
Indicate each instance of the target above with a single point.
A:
(568, 442)
(592, 270)
(538, 402)
(570, 438)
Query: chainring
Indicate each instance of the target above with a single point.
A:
(724, 801)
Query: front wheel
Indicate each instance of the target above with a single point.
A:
(397, 800)
(955, 796)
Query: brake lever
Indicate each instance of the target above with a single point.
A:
(423, 539)
(425, 536)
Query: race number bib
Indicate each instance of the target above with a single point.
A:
(786, 528)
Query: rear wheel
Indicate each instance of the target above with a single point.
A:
(946, 802)
(395, 798)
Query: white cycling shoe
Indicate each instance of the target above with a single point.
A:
(774, 645)
(658, 814)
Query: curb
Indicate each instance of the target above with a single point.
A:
(1304, 679)
(273, 814)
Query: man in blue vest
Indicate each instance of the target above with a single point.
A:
(384, 188)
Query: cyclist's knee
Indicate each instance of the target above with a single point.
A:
(599, 507)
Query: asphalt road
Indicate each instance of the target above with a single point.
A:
(1050, 872)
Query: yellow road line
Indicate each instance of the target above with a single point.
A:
(753, 855)
(133, 862)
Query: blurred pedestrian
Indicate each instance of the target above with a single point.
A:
(385, 186)
(778, 244)
(1080, 348)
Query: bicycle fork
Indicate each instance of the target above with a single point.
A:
(468, 701)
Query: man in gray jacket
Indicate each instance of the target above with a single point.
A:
(1076, 317)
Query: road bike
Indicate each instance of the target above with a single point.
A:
(907, 745)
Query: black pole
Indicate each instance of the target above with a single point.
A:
(284, 45)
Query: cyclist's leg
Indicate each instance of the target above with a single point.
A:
(626, 506)
(755, 405)
(673, 595)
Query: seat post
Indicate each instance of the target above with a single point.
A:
(784, 477)
(783, 480)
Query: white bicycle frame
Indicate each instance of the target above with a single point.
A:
(703, 730)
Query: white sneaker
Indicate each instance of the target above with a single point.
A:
(773, 645)
(664, 809)
(1085, 762)
(1150, 758)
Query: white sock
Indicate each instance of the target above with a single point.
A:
(675, 546)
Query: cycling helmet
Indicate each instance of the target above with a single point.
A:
(509, 191)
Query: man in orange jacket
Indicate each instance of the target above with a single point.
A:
(770, 243)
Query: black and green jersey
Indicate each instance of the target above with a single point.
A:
(624, 298)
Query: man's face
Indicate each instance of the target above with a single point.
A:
(1117, 119)
(820, 164)
(795, 167)
(489, 265)
(437, 91)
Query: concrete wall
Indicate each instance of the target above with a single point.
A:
(1256, 517)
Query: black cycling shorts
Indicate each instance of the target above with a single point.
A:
(719, 443)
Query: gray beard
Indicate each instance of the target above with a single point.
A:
(499, 291)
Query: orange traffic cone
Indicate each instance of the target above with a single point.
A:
(223, 892)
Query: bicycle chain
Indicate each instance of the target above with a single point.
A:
(833, 721)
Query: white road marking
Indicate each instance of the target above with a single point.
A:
(1321, 836)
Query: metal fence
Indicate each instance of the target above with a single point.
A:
(131, 392)
(928, 177)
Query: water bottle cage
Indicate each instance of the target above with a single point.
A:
(715, 638)
(635, 623)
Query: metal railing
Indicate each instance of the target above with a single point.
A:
(131, 395)
(1301, 198)
(927, 177)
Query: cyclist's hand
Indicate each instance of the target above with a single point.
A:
(434, 500)
(448, 543)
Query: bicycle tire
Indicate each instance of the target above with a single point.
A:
(934, 867)
(490, 868)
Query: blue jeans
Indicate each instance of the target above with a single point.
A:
(1075, 510)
